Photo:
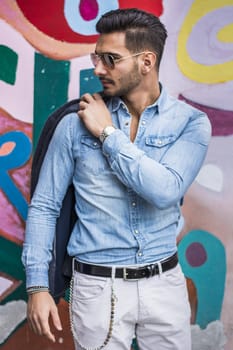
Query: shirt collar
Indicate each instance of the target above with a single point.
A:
(116, 102)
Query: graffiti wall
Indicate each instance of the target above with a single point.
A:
(44, 55)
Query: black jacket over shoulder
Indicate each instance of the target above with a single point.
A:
(60, 269)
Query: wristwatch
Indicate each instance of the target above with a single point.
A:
(106, 132)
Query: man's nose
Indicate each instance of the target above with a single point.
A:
(100, 68)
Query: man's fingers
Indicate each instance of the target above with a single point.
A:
(40, 327)
(82, 105)
(38, 317)
(34, 327)
(56, 319)
(87, 98)
(33, 322)
(45, 328)
(97, 96)
(45, 331)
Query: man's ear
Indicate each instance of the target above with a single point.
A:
(149, 62)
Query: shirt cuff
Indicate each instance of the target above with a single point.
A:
(114, 143)
(35, 277)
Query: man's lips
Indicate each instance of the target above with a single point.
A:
(105, 82)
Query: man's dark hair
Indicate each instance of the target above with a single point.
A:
(143, 30)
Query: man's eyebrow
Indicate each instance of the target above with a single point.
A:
(108, 53)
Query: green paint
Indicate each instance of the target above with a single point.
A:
(89, 82)
(134, 345)
(11, 265)
(8, 67)
(209, 278)
(50, 90)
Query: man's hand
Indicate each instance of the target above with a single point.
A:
(41, 307)
(94, 113)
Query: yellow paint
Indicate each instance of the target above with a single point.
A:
(226, 34)
(217, 73)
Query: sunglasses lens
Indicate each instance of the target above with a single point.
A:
(108, 60)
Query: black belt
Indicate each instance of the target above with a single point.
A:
(127, 273)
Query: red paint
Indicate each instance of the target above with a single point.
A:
(153, 6)
(48, 16)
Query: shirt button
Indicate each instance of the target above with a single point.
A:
(127, 123)
(160, 142)
(139, 253)
(133, 204)
(95, 143)
(143, 122)
(136, 232)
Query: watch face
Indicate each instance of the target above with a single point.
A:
(106, 132)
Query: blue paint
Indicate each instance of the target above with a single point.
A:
(17, 158)
(89, 82)
(75, 20)
(208, 276)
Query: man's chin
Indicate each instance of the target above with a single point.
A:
(108, 92)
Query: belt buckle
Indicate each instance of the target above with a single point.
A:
(125, 278)
(151, 270)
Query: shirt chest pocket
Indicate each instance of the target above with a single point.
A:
(91, 154)
(156, 146)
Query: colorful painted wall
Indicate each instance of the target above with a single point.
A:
(44, 56)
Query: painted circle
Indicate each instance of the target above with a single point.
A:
(196, 254)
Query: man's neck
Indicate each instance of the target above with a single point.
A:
(139, 100)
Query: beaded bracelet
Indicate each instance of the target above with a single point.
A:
(36, 289)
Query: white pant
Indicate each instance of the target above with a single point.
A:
(155, 309)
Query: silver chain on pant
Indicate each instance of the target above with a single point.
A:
(109, 334)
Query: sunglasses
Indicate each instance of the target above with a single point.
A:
(109, 60)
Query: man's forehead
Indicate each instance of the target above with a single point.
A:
(115, 39)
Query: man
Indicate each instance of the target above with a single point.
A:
(131, 160)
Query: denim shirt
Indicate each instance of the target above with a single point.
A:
(127, 193)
